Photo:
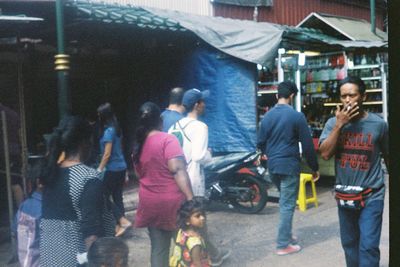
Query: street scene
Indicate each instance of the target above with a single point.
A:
(251, 237)
(198, 133)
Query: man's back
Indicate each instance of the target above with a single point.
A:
(281, 130)
(169, 117)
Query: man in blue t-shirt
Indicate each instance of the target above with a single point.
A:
(357, 139)
(281, 130)
(175, 109)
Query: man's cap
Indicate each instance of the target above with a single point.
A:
(287, 88)
(192, 96)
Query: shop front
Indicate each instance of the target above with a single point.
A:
(317, 69)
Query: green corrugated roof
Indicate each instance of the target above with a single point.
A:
(125, 14)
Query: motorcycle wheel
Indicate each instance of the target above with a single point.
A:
(258, 198)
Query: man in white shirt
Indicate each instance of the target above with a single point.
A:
(193, 135)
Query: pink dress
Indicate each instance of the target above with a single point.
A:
(159, 194)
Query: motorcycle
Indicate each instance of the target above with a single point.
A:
(237, 179)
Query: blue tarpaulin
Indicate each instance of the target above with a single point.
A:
(231, 105)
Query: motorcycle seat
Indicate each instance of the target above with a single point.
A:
(220, 162)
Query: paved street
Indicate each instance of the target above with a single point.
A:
(252, 237)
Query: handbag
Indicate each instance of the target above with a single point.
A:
(351, 197)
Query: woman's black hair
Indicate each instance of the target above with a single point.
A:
(107, 118)
(70, 136)
(108, 252)
(149, 119)
(187, 209)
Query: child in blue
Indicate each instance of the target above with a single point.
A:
(28, 220)
(113, 164)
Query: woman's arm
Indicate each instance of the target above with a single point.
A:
(106, 156)
(177, 167)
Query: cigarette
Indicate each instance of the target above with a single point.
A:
(348, 107)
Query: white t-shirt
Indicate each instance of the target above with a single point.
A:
(195, 148)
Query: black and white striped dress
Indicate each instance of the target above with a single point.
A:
(74, 208)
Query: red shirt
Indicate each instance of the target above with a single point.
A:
(159, 194)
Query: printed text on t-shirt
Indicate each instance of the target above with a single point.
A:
(356, 150)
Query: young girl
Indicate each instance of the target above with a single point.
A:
(190, 249)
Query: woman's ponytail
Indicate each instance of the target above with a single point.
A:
(149, 120)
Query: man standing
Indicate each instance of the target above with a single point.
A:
(175, 109)
(193, 135)
(357, 139)
(281, 130)
(194, 138)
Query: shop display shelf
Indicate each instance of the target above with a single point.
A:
(359, 67)
(321, 81)
(322, 67)
(263, 92)
(374, 90)
(267, 83)
(364, 103)
(371, 78)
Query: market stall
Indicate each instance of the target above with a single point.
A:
(317, 69)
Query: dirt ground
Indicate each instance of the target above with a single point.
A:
(251, 238)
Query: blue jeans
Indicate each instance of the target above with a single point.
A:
(360, 233)
(288, 185)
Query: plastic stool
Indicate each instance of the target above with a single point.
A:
(302, 199)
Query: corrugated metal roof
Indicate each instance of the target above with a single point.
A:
(125, 14)
(352, 29)
(251, 41)
(199, 7)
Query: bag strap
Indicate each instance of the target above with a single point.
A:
(183, 129)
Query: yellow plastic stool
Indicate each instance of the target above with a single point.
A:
(302, 199)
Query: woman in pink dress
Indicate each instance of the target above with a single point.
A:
(164, 183)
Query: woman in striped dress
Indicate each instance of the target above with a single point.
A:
(74, 209)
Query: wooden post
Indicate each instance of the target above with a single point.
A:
(7, 165)
(22, 130)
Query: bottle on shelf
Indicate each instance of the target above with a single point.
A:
(364, 60)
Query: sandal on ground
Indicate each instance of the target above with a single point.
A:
(122, 229)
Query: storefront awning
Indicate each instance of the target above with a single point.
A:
(344, 28)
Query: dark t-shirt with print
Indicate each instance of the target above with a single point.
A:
(358, 154)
